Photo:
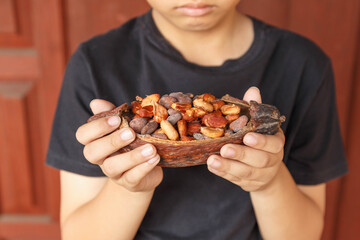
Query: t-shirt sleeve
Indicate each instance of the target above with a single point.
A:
(317, 153)
(73, 110)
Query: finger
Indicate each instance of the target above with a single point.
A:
(133, 177)
(252, 93)
(116, 165)
(232, 170)
(98, 128)
(96, 151)
(269, 143)
(250, 156)
(100, 105)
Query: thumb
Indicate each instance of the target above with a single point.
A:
(252, 93)
(99, 105)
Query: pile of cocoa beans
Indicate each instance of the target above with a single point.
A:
(179, 116)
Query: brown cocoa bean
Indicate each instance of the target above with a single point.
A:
(193, 127)
(230, 109)
(172, 111)
(217, 104)
(214, 120)
(238, 123)
(138, 123)
(169, 130)
(173, 119)
(200, 103)
(181, 97)
(232, 117)
(198, 112)
(200, 136)
(212, 132)
(208, 97)
(188, 115)
(166, 101)
(182, 107)
(150, 127)
(182, 128)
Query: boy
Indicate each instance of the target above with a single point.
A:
(263, 189)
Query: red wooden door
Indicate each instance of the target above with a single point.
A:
(31, 65)
(38, 36)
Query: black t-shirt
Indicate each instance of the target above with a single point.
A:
(192, 203)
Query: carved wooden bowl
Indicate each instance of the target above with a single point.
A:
(263, 118)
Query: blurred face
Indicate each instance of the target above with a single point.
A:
(193, 15)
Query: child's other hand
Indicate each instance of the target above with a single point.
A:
(135, 170)
(254, 165)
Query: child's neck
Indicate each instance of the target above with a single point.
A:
(230, 39)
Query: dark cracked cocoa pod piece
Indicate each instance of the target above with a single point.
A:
(263, 118)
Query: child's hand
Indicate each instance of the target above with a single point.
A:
(255, 165)
(135, 170)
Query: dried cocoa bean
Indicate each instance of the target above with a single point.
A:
(182, 107)
(207, 97)
(181, 97)
(150, 127)
(200, 136)
(198, 112)
(214, 120)
(172, 111)
(159, 131)
(238, 123)
(188, 115)
(193, 127)
(200, 103)
(182, 128)
(232, 117)
(166, 101)
(169, 130)
(217, 104)
(230, 109)
(212, 132)
(138, 123)
(173, 119)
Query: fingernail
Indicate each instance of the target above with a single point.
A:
(153, 160)
(147, 151)
(126, 135)
(215, 163)
(250, 139)
(114, 121)
(229, 152)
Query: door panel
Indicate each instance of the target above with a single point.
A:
(29, 191)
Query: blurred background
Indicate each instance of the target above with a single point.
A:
(37, 37)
